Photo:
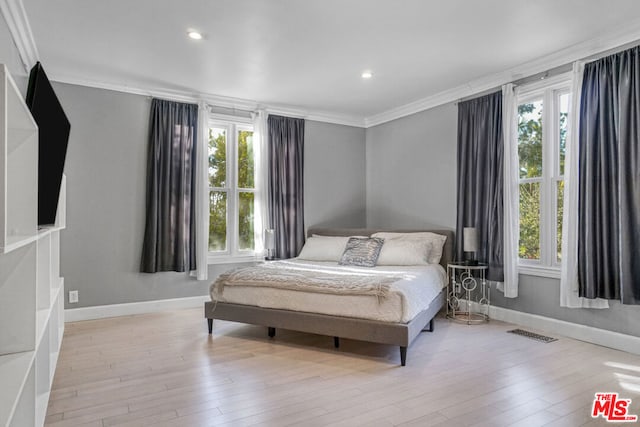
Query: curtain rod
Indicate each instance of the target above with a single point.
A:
(522, 81)
(564, 68)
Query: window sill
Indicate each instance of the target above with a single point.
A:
(540, 271)
(231, 259)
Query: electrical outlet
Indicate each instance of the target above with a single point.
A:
(73, 297)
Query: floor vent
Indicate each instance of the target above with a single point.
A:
(532, 335)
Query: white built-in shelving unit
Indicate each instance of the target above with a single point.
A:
(31, 289)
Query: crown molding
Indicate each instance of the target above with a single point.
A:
(580, 51)
(218, 101)
(18, 23)
(174, 95)
(316, 115)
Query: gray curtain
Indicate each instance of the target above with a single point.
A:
(609, 186)
(286, 161)
(169, 236)
(480, 179)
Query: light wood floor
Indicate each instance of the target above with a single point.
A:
(163, 369)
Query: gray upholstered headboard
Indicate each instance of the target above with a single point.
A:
(447, 251)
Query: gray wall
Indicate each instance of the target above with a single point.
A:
(105, 167)
(334, 175)
(411, 181)
(10, 57)
(106, 164)
(411, 163)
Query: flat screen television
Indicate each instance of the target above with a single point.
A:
(53, 137)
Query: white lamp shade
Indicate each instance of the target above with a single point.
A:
(470, 239)
(269, 239)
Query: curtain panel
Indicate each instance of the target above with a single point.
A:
(286, 184)
(480, 179)
(609, 179)
(569, 292)
(511, 192)
(202, 194)
(261, 220)
(169, 237)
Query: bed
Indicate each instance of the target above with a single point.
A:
(376, 321)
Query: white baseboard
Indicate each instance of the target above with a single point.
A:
(114, 310)
(628, 343)
(616, 340)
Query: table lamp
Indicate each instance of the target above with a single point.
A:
(470, 244)
(270, 242)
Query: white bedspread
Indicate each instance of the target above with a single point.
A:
(407, 297)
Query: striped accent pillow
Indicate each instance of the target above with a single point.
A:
(362, 251)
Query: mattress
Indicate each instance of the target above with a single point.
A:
(412, 293)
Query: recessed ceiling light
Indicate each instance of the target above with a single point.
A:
(367, 74)
(195, 35)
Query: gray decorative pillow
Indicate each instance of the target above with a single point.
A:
(362, 251)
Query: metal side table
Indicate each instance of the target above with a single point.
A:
(468, 294)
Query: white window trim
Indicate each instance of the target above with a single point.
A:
(539, 270)
(549, 90)
(232, 255)
(232, 259)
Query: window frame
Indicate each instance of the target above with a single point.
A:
(549, 91)
(232, 126)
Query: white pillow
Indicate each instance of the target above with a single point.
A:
(323, 248)
(435, 242)
(399, 251)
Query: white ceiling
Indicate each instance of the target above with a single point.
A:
(310, 54)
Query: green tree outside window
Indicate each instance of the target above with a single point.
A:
(530, 155)
(220, 190)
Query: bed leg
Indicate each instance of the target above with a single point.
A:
(210, 324)
(403, 355)
(429, 327)
(272, 332)
(336, 342)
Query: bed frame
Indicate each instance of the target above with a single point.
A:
(400, 334)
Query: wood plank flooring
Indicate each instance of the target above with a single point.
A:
(163, 369)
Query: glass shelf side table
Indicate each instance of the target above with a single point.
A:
(468, 294)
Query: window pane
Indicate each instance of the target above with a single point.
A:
(559, 207)
(529, 221)
(217, 157)
(245, 221)
(246, 160)
(217, 221)
(530, 139)
(564, 113)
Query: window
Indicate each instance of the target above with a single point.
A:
(542, 129)
(232, 189)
